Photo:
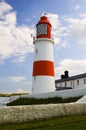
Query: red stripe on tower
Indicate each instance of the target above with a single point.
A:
(43, 68)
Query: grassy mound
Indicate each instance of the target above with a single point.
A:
(33, 101)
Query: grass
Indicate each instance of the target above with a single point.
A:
(33, 101)
(12, 94)
(3, 95)
(61, 123)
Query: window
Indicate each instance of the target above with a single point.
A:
(77, 82)
(42, 29)
(84, 81)
(65, 84)
(71, 83)
(36, 51)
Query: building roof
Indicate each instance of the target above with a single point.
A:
(71, 78)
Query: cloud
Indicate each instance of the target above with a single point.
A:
(73, 66)
(66, 28)
(15, 40)
(17, 78)
(4, 8)
(77, 29)
(82, 15)
(77, 7)
(59, 32)
(20, 90)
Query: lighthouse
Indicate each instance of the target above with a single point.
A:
(43, 65)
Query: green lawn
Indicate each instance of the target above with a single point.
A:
(60, 123)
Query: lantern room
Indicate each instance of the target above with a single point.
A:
(43, 28)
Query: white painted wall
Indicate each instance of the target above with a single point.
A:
(81, 83)
(64, 93)
(42, 84)
(73, 84)
(43, 49)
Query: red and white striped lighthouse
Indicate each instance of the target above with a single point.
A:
(43, 66)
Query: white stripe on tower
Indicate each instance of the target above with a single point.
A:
(43, 66)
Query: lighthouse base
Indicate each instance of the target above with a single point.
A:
(43, 84)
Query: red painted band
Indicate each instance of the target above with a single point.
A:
(43, 68)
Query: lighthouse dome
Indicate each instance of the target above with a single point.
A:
(43, 19)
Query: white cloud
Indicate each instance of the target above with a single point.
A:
(16, 78)
(20, 90)
(77, 7)
(59, 32)
(73, 66)
(4, 8)
(82, 15)
(14, 40)
(78, 30)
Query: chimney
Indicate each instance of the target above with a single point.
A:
(66, 74)
(62, 76)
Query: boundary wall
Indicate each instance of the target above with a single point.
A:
(17, 114)
(63, 93)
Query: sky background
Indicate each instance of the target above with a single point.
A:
(17, 22)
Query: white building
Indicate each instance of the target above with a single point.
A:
(66, 82)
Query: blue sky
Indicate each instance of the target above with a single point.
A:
(17, 22)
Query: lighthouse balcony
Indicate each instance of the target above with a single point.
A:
(35, 38)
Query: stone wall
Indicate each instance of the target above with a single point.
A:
(63, 94)
(16, 114)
